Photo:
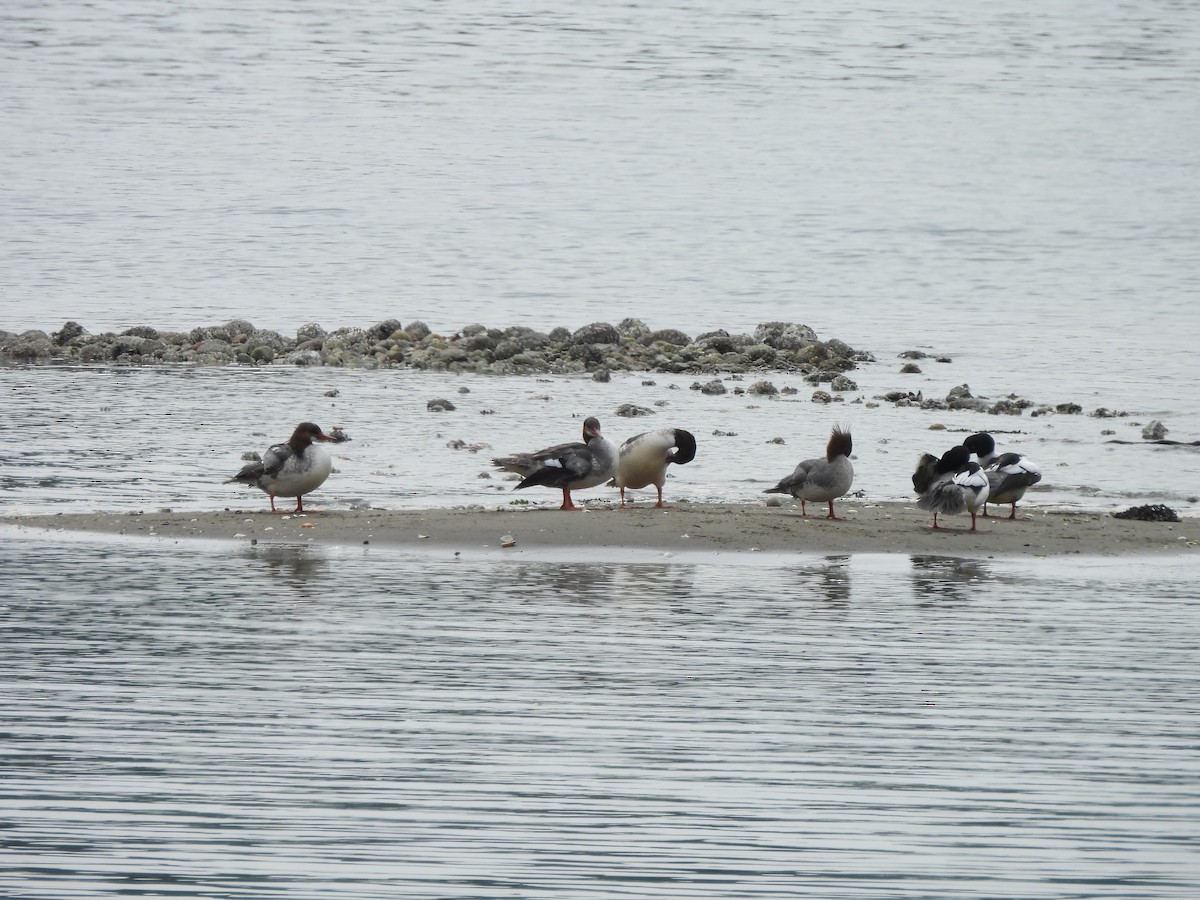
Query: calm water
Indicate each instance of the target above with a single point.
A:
(278, 722)
(143, 439)
(875, 171)
(1013, 188)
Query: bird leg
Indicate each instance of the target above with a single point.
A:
(567, 504)
(832, 516)
(659, 504)
(300, 504)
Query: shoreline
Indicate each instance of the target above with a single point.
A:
(685, 528)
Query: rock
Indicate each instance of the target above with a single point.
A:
(1155, 513)
(1009, 406)
(763, 388)
(1105, 413)
(842, 383)
(632, 410)
(69, 332)
(912, 369)
(785, 335)
(29, 346)
(822, 397)
(596, 333)
(385, 329)
(960, 397)
(913, 354)
(309, 332)
(1068, 409)
(602, 376)
(440, 405)
(776, 440)
(760, 354)
(718, 341)
(632, 328)
(417, 331)
(666, 336)
(1155, 431)
(715, 387)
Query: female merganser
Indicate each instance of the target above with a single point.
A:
(292, 469)
(950, 484)
(644, 458)
(1010, 475)
(821, 480)
(568, 467)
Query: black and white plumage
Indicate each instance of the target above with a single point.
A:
(643, 459)
(567, 467)
(1010, 475)
(951, 484)
(291, 469)
(821, 480)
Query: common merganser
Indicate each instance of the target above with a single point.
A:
(1010, 475)
(950, 484)
(643, 459)
(293, 469)
(568, 467)
(821, 480)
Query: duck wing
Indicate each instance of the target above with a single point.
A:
(792, 483)
(558, 466)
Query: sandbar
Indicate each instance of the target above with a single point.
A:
(686, 527)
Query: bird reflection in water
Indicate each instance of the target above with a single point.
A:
(593, 583)
(300, 567)
(938, 578)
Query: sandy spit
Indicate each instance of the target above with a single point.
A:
(688, 527)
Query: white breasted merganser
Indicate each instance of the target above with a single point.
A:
(821, 480)
(951, 484)
(292, 469)
(568, 467)
(1010, 475)
(643, 459)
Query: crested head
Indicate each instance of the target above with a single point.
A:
(954, 459)
(840, 444)
(685, 447)
(591, 428)
(306, 433)
(981, 444)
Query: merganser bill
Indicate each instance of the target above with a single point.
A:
(949, 485)
(292, 469)
(1010, 475)
(567, 467)
(643, 459)
(821, 480)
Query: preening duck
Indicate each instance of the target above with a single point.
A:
(643, 459)
(291, 469)
(1010, 475)
(951, 484)
(567, 467)
(821, 480)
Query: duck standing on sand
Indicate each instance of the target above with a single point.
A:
(568, 467)
(821, 480)
(1010, 475)
(643, 459)
(293, 469)
(949, 485)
